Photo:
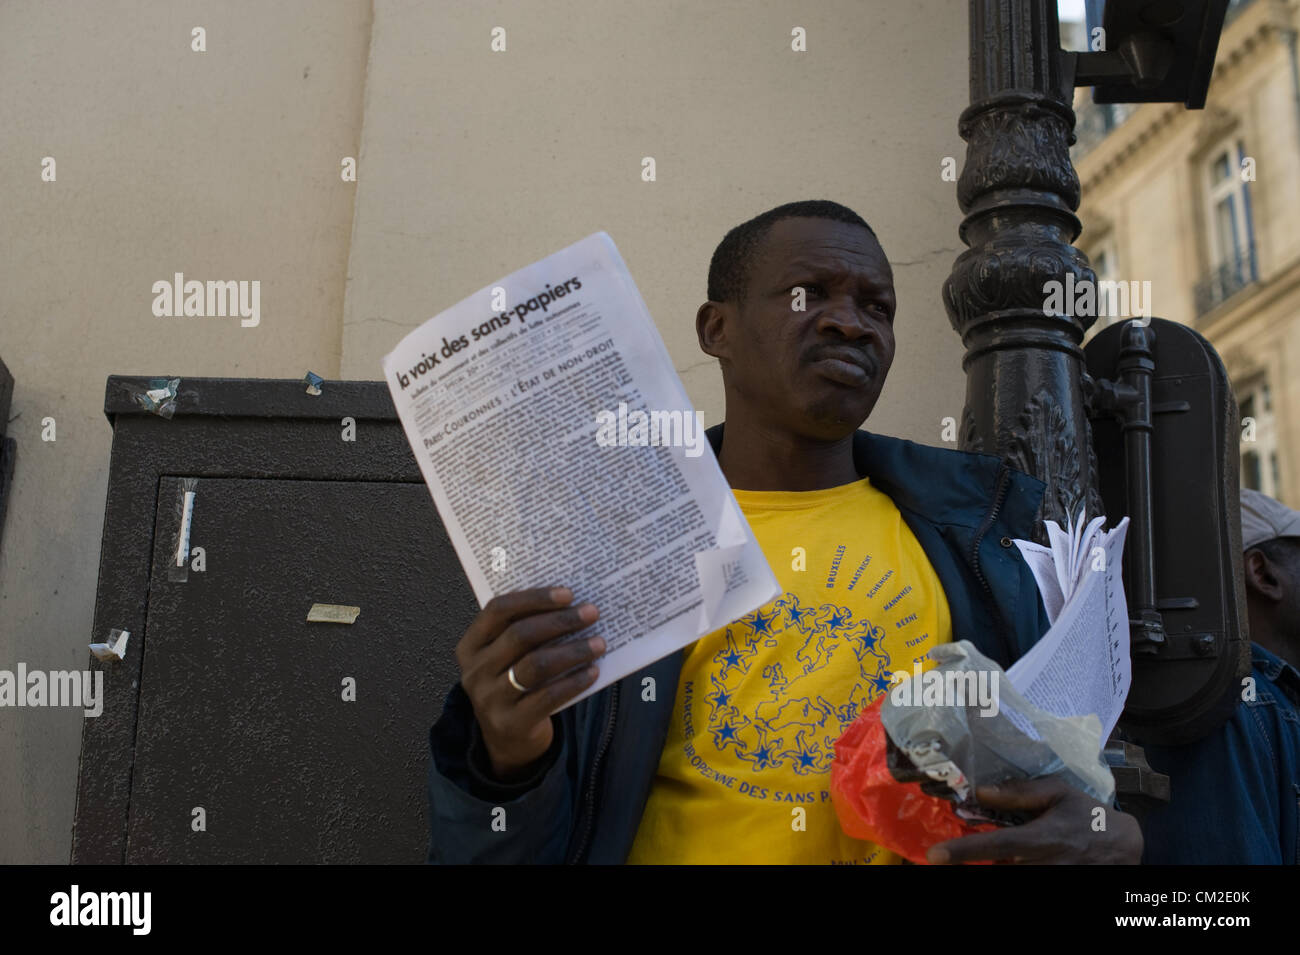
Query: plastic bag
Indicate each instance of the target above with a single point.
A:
(905, 771)
(872, 805)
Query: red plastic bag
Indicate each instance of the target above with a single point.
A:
(874, 806)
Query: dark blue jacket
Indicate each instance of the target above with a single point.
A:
(584, 804)
(1235, 795)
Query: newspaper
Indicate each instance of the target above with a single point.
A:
(1081, 665)
(561, 450)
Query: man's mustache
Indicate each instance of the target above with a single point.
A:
(849, 353)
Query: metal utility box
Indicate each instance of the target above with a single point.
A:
(290, 741)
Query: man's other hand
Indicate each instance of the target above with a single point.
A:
(1068, 831)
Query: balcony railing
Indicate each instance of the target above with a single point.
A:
(1226, 280)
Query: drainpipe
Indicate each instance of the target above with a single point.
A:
(1290, 36)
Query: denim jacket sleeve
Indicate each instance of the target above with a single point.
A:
(1233, 793)
(474, 819)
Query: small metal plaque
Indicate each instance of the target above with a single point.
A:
(332, 613)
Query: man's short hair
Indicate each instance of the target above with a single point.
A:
(733, 259)
(1282, 551)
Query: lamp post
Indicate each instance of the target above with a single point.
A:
(1028, 394)
(1019, 193)
(1026, 388)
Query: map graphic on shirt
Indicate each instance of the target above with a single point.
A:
(795, 725)
(761, 701)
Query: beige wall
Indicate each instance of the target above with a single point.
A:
(476, 163)
(220, 165)
(225, 165)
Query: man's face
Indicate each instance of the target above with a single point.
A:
(817, 372)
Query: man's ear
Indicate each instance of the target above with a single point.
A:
(711, 328)
(1262, 576)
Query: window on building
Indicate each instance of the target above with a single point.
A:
(1259, 463)
(1231, 229)
(1231, 232)
(1250, 472)
(1227, 224)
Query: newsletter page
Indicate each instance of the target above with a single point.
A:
(561, 449)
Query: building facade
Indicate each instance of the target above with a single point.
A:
(1204, 205)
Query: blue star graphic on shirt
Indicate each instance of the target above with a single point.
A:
(879, 683)
(728, 734)
(867, 643)
(797, 615)
(760, 623)
(804, 758)
(808, 758)
(719, 698)
(834, 618)
(731, 657)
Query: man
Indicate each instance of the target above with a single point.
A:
(1270, 537)
(883, 548)
(1234, 795)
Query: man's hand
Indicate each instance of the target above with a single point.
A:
(521, 629)
(1064, 834)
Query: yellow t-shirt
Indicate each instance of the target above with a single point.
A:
(761, 702)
